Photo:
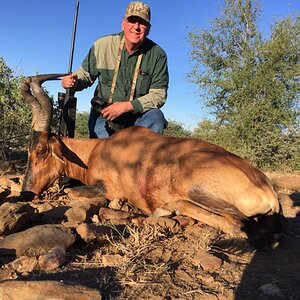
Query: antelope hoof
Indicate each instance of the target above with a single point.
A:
(161, 212)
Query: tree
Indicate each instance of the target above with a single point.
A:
(176, 129)
(81, 129)
(250, 84)
(15, 116)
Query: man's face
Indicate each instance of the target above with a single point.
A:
(135, 29)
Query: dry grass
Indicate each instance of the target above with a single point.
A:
(137, 248)
(157, 262)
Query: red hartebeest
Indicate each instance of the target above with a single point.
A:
(195, 177)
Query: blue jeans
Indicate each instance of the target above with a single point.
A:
(153, 119)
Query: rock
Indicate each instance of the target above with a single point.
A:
(49, 214)
(116, 204)
(95, 219)
(182, 275)
(48, 261)
(287, 181)
(24, 264)
(200, 232)
(14, 183)
(159, 254)
(4, 165)
(119, 221)
(123, 216)
(127, 208)
(138, 220)
(163, 222)
(156, 254)
(76, 194)
(14, 216)
(70, 224)
(206, 260)
(167, 255)
(37, 240)
(207, 279)
(95, 232)
(109, 214)
(272, 290)
(83, 211)
(53, 259)
(184, 221)
(285, 200)
(289, 205)
(112, 260)
(46, 290)
(44, 207)
(16, 187)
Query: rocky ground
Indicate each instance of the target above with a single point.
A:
(73, 248)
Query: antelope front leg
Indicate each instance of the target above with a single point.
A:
(97, 190)
(227, 222)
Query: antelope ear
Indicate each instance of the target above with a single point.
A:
(56, 148)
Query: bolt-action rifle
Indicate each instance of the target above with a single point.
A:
(67, 101)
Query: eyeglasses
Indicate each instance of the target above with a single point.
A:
(134, 19)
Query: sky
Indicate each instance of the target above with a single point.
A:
(36, 37)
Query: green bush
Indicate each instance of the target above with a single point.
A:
(176, 129)
(15, 116)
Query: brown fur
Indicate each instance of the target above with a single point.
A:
(196, 178)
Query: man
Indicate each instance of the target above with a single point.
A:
(132, 77)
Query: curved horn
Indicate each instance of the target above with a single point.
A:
(38, 100)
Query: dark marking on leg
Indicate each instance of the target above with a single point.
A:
(93, 191)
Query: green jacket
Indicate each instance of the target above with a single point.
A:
(152, 81)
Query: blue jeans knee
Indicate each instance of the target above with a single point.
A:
(153, 119)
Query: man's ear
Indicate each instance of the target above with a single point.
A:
(148, 29)
(56, 148)
(122, 24)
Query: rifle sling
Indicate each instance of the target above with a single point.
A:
(117, 67)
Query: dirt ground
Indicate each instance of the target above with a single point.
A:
(150, 262)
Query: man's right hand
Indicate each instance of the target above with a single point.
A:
(69, 81)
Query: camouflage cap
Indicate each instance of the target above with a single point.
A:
(139, 9)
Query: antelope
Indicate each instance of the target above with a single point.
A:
(153, 172)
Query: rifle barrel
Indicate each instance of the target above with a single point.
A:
(73, 37)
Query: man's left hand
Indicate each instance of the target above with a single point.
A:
(116, 109)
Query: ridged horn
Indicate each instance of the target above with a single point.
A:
(38, 100)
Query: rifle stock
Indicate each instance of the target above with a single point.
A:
(67, 103)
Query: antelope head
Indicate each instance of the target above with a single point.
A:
(41, 170)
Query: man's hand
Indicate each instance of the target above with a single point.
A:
(69, 81)
(116, 109)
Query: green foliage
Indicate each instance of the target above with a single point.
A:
(15, 116)
(55, 114)
(251, 85)
(176, 129)
(81, 128)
